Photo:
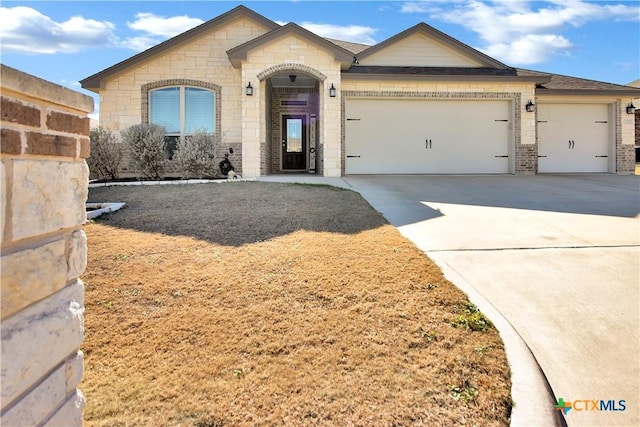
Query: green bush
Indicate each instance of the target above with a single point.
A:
(195, 155)
(147, 149)
(106, 154)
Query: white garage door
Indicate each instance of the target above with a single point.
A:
(573, 138)
(391, 136)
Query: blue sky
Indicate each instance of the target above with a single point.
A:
(66, 41)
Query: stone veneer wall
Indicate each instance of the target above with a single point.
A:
(43, 187)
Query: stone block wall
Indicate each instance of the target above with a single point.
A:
(44, 141)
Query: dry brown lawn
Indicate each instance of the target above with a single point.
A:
(276, 304)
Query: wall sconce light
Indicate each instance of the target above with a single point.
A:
(292, 78)
(249, 90)
(529, 106)
(631, 108)
(332, 91)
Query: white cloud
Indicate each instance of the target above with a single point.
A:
(162, 26)
(26, 30)
(23, 29)
(528, 49)
(432, 6)
(156, 29)
(348, 33)
(140, 43)
(519, 33)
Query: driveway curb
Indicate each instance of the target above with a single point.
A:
(530, 390)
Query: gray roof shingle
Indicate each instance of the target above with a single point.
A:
(560, 84)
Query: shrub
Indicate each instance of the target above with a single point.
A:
(106, 154)
(471, 318)
(147, 149)
(195, 155)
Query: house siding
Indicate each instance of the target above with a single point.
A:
(250, 124)
(420, 51)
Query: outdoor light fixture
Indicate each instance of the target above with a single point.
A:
(292, 78)
(332, 91)
(249, 90)
(529, 106)
(631, 108)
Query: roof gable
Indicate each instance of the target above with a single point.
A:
(239, 53)
(424, 46)
(93, 82)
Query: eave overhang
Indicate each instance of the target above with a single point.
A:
(440, 74)
(635, 93)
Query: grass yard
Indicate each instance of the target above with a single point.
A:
(276, 304)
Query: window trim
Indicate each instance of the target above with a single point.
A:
(161, 84)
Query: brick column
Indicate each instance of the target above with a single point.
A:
(43, 188)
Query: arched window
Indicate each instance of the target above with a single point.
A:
(182, 110)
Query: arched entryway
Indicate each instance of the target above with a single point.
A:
(292, 123)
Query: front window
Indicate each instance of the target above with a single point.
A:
(182, 110)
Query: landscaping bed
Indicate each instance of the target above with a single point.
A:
(276, 304)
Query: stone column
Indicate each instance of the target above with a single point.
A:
(44, 139)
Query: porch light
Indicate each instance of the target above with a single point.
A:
(332, 91)
(249, 90)
(529, 106)
(631, 108)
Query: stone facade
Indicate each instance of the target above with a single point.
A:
(204, 63)
(291, 52)
(44, 180)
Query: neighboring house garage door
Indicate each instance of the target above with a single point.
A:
(573, 138)
(392, 136)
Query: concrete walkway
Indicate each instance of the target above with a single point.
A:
(557, 256)
(553, 261)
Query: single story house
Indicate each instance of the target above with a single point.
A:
(287, 100)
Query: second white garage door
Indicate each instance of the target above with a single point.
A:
(392, 136)
(573, 138)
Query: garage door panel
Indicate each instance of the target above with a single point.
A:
(573, 138)
(418, 136)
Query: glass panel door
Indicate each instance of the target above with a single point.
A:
(294, 135)
(294, 142)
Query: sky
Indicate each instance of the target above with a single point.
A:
(67, 41)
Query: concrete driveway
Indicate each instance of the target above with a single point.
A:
(558, 257)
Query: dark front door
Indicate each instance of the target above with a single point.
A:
(294, 142)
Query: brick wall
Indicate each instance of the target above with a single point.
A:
(43, 186)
